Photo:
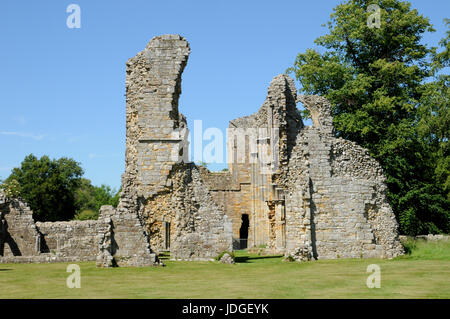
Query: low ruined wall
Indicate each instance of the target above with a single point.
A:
(117, 238)
(40, 259)
(126, 243)
(72, 239)
(235, 204)
(231, 195)
(429, 237)
(203, 230)
(18, 233)
(199, 229)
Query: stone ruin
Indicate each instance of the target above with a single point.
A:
(290, 189)
(115, 239)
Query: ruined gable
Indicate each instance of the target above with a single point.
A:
(308, 194)
(343, 207)
(18, 233)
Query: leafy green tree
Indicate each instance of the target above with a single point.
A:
(87, 214)
(89, 199)
(434, 124)
(48, 186)
(375, 79)
(11, 188)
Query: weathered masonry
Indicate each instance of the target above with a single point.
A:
(115, 239)
(159, 183)
(290, 189)
(298, 189)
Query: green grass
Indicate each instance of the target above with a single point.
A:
(425, 273)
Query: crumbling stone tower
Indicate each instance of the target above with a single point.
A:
(159, 183)
(156, 131)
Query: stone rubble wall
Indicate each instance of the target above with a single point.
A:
(117, 238)
(72, 239)
(156, 131)
(356, 165)
(324, 197)
(203, 231)
(18, 233)
(429, 237)
(199, 228)
(127, 243)
(343, 203)
(159, 185)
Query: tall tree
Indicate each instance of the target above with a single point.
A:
(374, 76)
(434, 124)
(48, 186)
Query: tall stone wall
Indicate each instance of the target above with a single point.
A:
(343, 204)
(156, 131)
(159, 184)
(313, 195)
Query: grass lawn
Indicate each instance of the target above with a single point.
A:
(425, 273)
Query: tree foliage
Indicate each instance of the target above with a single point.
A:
(89, 199)
(56, 191)
(48, 186)
(378, 81)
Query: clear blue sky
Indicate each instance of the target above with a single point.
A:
(62, 90)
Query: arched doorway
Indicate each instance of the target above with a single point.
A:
(243, 232)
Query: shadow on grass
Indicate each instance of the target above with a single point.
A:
(248, 259)
(5, 269)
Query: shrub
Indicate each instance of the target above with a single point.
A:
(409, 245)
(11, 188)
(86, 214)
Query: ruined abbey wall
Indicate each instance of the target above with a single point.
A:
(290, 189)
(313, 195)
(343, 211)
(75, 238)
(126, 242)
(18, 233)
(112, 240)
(160, 184)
